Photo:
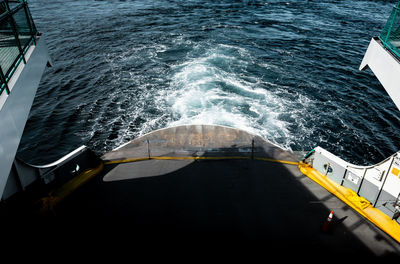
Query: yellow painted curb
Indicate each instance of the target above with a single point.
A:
(360, 204)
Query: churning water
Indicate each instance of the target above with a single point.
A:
(286, 70)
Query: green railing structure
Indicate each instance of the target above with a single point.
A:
(17, 34)
(390, 35)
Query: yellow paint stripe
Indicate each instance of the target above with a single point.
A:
(124, 161)
(278, 161)
(49, 202)
(360, 204)
(199, 158)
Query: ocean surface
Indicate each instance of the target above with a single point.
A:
(285, 70)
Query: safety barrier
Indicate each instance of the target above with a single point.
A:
(378, 184)
(17, 34)
(390, 35)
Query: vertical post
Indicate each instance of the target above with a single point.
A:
(14, 29)
(327, 169)
(32, 23)
(362, 180)
(383, 184)
(28, 19)
(3, 80)
(343, 178)
(148, 148)
(396, 8)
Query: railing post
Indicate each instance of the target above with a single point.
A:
(344, 176)
(14, 29)
(3, 80)
(383, 184)
(362, 180)
(29, 22)
(327, 169)
(391, 24)
(148, 148)
(10, 24)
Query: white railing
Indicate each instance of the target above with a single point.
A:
(379, 183)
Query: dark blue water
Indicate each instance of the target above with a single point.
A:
(286, 70)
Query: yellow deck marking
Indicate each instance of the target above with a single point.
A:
(348, 196)
(360, 204)
(49, 202)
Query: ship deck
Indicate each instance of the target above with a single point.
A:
(212, 185)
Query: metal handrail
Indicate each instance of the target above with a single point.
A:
(387, 35)
(9, 25)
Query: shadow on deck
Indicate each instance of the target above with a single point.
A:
(239, 203)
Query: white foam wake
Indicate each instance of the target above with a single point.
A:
(213, 89)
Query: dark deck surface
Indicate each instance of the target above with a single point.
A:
(213, 201)
(242, 202)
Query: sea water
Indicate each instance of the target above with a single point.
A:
(284, 70)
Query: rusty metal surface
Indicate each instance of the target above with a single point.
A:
(198, 140)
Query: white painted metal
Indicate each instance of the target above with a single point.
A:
(379, 183)
(386, 68)
(16, 108)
